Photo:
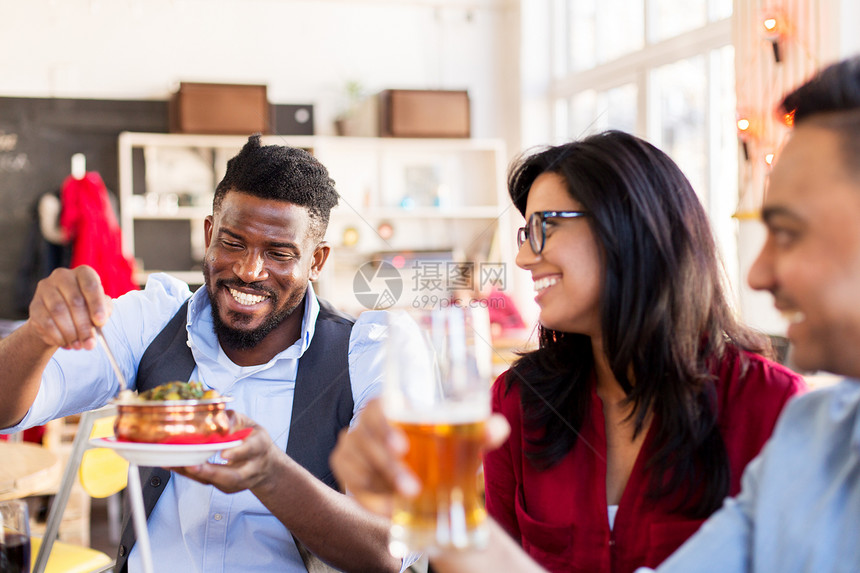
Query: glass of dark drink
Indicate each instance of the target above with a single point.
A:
(14, 537)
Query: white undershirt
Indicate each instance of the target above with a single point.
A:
(612, 510)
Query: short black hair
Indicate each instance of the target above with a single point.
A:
(281, 173)
(831, 100)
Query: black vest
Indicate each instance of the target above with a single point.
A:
(322, 400)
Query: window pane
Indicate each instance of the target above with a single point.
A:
(620, 28)
(719, 9)
(583, 114)
(620, 108)
(670, 18)
(581, 15)
(679, 92)
(724, 162)
(561, 29)
(561, 120)
(592, 111)
(725, 158)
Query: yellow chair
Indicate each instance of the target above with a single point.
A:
(68, 558)
(102, 473)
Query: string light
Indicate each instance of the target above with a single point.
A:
(773, 29)
(744, 133)
(770, 24)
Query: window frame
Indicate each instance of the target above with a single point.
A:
(636, 67)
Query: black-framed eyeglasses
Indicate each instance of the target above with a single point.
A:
(535, 230)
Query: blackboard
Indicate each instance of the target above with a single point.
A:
(38, 137)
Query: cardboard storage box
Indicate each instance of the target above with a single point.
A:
(219, 109)
(424, 113)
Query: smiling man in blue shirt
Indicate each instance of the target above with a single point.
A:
(256, 332)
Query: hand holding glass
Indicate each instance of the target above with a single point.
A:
(437, 391)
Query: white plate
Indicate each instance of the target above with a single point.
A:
(163, 455)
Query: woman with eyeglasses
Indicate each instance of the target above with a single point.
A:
(646, 397)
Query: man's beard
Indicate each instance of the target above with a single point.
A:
(237, 339)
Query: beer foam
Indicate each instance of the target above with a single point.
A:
(461, 413)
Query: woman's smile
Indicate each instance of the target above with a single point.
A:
(543, 284)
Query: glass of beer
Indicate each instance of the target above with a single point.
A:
(14, 537)
(437, 391)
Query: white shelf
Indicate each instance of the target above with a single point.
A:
(182, 140)
(180, 213)
(190, 277)
(488, 212)
(372, 175)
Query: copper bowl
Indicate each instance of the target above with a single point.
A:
(172, 421)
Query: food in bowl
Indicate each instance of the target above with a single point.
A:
(173, 413)
(179, 391)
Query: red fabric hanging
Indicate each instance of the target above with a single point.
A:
(91, 226)
(33, 435)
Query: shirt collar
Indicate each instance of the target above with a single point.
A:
(309, 321)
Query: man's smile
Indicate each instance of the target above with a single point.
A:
(245, 298)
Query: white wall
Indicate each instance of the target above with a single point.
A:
(840, 18)
(849, 39)
(304, 50)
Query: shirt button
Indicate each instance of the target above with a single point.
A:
(217, 517)
(155, 481)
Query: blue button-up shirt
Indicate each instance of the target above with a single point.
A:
(799, 507)
(196, 528)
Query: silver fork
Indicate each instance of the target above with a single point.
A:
(123, 385)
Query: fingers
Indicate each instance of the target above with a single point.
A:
(367, 458)
(225, 478)
(257, 444)
(247, 465)
(362, 455)
(238, 421)
(90, 286)
(67, 306)
(229, 478)
(496, 431)
(361, 469)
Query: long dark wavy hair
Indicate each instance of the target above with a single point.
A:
(665, 318)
